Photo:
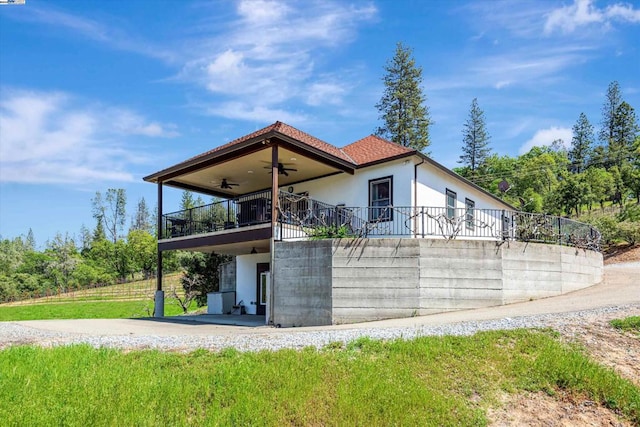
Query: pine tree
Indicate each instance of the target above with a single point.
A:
(111, 212)
(612, 101)
(98, 232)
(475, 139)
(187, 201)
(581, 144)
(30, 242)
(625, 130)
(141, 219)
(406, 118)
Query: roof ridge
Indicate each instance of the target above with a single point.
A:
(348, 156)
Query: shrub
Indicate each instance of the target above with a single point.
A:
(8, 289)
(629, 231)
(329, 232)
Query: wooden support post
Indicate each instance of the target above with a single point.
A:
(274, 187)
(158, 300)
(160, 236)
(274, 222)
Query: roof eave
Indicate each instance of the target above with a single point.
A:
(199, 162)
(204, 161)
(387, 159)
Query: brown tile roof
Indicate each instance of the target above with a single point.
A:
(314, 142)
(286, 130)
(373, 149)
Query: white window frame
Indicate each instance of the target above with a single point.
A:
(381, 214)
(469, 212)
(451, 208)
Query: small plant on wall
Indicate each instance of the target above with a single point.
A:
(329, 232)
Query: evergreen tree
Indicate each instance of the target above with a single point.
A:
(111, 211)
(98, 232)
(406, 118)
(612, 101)
(475, 139)
(85, 239)
(187, 201)
(30, 242)
(625, 130)
(142, 219)
(581, 144)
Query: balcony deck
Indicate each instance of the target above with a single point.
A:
(247, 219)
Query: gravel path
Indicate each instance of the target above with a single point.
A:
(618, 297)
(15, 334)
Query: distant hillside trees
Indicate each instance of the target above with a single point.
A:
(92, 258)
(588, 175)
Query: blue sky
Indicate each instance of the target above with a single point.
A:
(97, 94)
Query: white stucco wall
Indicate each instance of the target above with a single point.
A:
(433, 184)
(246, 279)
(353, 190)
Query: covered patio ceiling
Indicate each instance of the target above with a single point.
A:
(252, 172)
(244, 165)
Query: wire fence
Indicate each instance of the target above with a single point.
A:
(137, 290)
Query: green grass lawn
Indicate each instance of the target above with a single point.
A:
(631, 324)
(85, 310)
(427, 381)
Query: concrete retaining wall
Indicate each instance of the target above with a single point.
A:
(302, 291)
(354, 280)
(375, 279)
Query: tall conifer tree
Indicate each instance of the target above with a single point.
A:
(581, 149)
(475, 141)
(406, 118)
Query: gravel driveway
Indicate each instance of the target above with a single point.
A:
(617, 296)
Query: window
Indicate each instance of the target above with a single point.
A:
(451, 203)
(381, 199)
(469, 209)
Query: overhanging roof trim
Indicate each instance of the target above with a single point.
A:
(277, 130)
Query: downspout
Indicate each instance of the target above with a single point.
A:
(415, 198)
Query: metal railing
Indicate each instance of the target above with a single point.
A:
(250, 209)
(301, 217)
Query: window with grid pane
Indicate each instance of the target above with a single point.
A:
(469, 211)
(451, 203)
(380, 199)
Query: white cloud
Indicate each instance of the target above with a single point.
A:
(264, 114)
(265, 58)
(269, 56)
(127, 122)
(547, 136)
(323, 93)
(94, 30)
(583, 13)
(50, 137)
(262, 11)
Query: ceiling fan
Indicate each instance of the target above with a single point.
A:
(283, 169)
(224, 184)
